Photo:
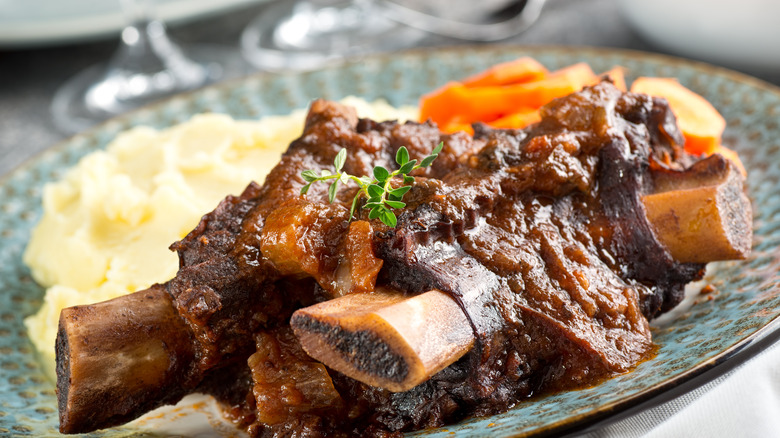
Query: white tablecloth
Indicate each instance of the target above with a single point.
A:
(744, 402)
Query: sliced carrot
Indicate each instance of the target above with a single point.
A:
(453, 127)
(436, 105)
(520, 70)
(618, 76)
(517, 120)
(458, 123)
(470, 104)
(731, 156)
(701, 124)
(491, 102)
(557, 84)
(579, 73)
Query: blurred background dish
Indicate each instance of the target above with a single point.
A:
(743, 34)
(46, 23)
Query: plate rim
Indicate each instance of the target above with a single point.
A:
(259, 75)
(718, 365)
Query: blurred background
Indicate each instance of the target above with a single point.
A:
(45, 44)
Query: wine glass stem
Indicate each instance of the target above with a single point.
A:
(328, 25)
(137, 11)
(146, 65)
(148, 47)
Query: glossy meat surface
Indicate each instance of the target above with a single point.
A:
(539, 234)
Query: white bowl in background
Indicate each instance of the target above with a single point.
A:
(742, 34)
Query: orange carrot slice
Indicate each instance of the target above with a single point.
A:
(557, 84)
(517, 120)
(618, 76)
(520, 70)
(470, 104)
(577, 75)
(491, 102)
(701, 124)
(453, 127)
(456, 124)
(436, 105)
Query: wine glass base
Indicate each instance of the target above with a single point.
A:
(286, 38)
(94, 95)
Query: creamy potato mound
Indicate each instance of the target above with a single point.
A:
(107, 225)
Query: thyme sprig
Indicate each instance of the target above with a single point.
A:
(382, 198)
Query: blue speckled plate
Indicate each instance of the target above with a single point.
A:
(745, 307)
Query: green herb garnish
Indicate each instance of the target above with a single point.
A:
(382, 197)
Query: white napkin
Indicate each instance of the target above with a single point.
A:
(743, 403)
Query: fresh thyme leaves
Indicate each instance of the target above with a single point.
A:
(381, 197)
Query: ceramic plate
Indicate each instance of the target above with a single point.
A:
(714, 328)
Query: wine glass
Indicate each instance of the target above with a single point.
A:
(306, 34)
(147, 66)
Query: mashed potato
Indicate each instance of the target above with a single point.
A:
(107, 225)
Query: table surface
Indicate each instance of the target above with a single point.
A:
(29, 77)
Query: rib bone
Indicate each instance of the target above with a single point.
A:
(705, 217)
(120, 357)
(383, 339)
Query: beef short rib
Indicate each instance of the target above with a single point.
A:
(539, 235)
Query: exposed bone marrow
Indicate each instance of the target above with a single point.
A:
(383, 339)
